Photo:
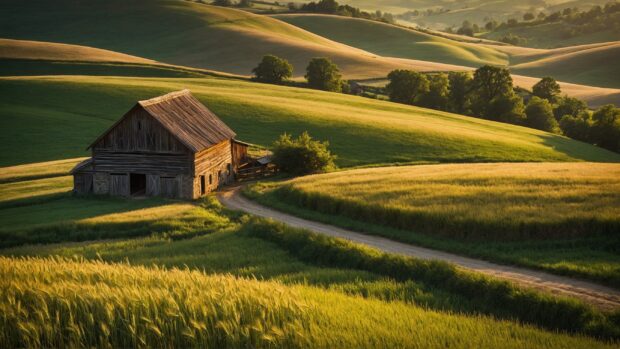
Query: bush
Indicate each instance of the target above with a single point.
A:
(438, 93)
(273, 70)
(323, 74)
(540, 115)
(302, 155)
(605, 131)
(546, 88)
(406, 86)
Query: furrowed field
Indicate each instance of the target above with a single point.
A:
(563, 217)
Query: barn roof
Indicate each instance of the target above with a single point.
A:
(190, 121)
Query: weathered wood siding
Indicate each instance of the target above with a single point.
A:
(119, 184)
(215, 164)
(146, 163)
(139, 144)
(83, 183)
(239, 154)
(140, 132)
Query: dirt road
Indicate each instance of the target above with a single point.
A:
(601, 296)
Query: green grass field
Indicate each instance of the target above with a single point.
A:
(47, 118)
(581, 65)
(311, 301)
(558, 217)
(204, 36)
(393, 41)
(120, 305)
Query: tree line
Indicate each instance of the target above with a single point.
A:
(488, 93)
(596, 19)
(331, 7)
(321, 73)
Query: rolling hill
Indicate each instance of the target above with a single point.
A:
(205, 36)
(230, 40)
(587, 64)
(47, 118)
(25, 57)
(393, 41)
(476, 11)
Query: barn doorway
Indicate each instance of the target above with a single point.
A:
(137, 184)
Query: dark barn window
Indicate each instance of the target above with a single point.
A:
(203, 186)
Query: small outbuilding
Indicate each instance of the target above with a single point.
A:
(171, 146)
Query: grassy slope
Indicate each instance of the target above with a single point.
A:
(393, 41)
(204, 36)
(550, 35)
(221, 39)
(593, 65)
(476, 11)
(584, 65)
(181, 308)
(56, 117)
(558, 217)
(222, 244)
(25, 57)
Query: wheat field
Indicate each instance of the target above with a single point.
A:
(55, 302)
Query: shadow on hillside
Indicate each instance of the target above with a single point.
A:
(579, 150)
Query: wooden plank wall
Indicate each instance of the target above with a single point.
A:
(139, 131)
(119, 184)
(239, 155)
(108, 161)
(213, 162)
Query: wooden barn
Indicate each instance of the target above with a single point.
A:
(171, 146)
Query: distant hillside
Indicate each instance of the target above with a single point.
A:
(25, 57)
(595, 64)
(562, 27)
(476, 11)
(204, 36)
(389, 40)
(233, 41)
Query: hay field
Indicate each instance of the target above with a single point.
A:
(59, 302)
(560, 217)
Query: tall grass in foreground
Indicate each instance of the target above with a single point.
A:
(71, 303)
(471, 201)
(490, 296)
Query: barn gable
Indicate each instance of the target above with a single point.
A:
(183, 117)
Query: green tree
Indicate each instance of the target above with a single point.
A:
(569, 106)
(322, 74)
(273, 70)
(577, 127)
(302, 155)
(528, 16)
(438, 92)
(540, 115)
(460, 86)
(244, 3)
(605, 131)
(489, 82)
(547, 88)
(225, 3)
(406, 86)
(507, 108)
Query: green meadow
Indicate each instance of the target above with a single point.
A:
(559, 217)
(57, 117)
(159, 281)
